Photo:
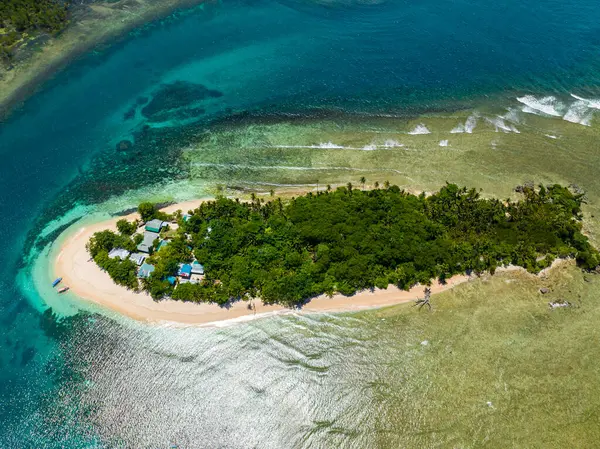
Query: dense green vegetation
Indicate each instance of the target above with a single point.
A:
(127, 227)
(18, 17)
(349, 240)
(123, 272)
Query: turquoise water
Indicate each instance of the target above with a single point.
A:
(162, 87)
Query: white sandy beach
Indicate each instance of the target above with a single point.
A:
(87, 281)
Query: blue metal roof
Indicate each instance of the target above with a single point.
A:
(185, 269)
(145, 270)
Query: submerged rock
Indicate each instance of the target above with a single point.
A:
(124, 145)
(129, 114)
(178, 99)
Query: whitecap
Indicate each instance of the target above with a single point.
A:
(420, 129)
(392, 144)
(579, 113)
(467, 127)
(547, 105)
(443, 143)
(329, 145)
(512, 115)
(551, 136)
(470, 124)
(594, 104)
(500, 125)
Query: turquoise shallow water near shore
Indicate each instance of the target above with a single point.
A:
(200, 77)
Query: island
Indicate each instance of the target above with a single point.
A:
(338, 242)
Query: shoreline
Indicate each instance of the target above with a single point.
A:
(103, 23)
(88, 282)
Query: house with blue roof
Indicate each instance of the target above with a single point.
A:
(172, 280)
(145, 270)
(185, 271)
(155, 225)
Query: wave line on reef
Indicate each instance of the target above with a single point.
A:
(289, 167)
(332, 146)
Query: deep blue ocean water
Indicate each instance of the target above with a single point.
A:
(262, 57)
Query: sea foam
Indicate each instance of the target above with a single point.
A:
(467, 127)
(392, 144)
(420, 129)
(547, 105)
(579, 112)
(500, 125)
(594, 104)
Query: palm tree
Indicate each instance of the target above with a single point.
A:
(272, 192)
(363, 180)
(425, 301)
(328, 187)
(386, 184)
(349, 187)
(376, 184)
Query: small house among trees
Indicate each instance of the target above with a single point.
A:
(154, 225)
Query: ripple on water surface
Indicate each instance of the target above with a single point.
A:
(293, 381)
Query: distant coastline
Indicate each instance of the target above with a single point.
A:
(104, 22)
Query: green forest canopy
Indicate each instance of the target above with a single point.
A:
(25, 16)
(349, 240)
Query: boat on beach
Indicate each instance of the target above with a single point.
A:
(56, 282)
(62, 290)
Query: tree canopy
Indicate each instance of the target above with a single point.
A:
(18, 17)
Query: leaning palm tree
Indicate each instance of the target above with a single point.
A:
(272, 192)
(363, 180)
(426, 300)
(386, 184)
(376, 184)
(328, 187)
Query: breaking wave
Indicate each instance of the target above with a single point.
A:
(467, 127)
(420, 129)
(392, 144)
(288, 167)
(500, 125)
(388, 144)
(547, 105)
(581, 111)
